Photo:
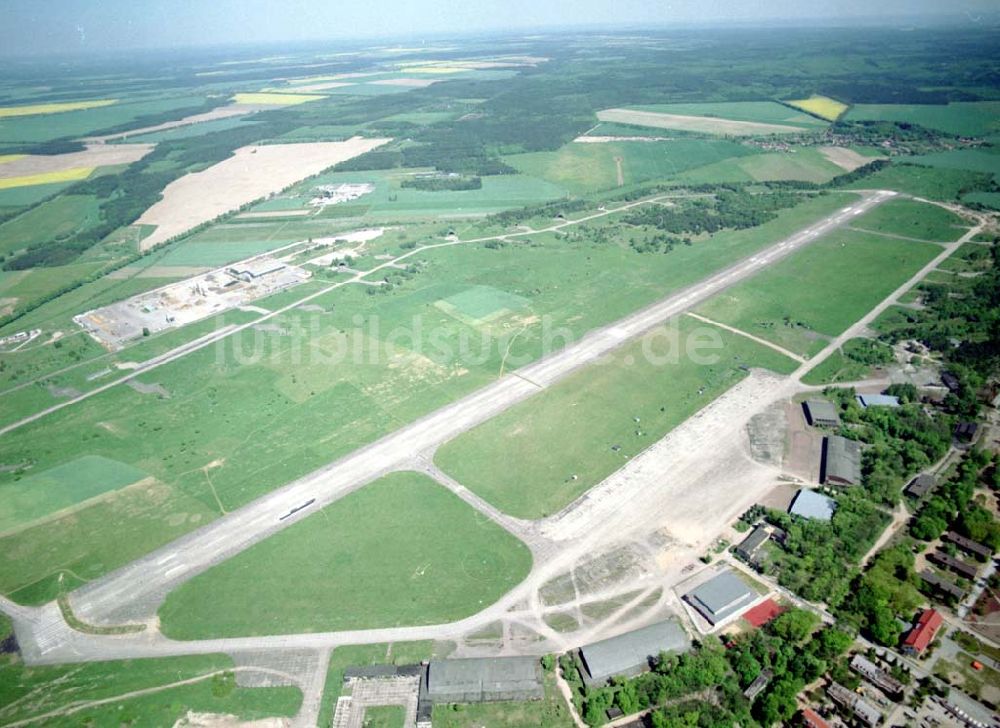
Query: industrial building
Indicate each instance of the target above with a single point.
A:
(630, 653)
(748, 547)
(920, 485)
(923, 632)
(812, 505)
(877, 676)
(841, 464)
(968, 545)
(821, 413)
(484, 680)
(722, 597)
(877, 400)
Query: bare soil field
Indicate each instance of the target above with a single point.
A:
(846, 159)
(704, 124)
(95, 155)
(324, 86)
(409, 82)
(222, 112)
(251, 173)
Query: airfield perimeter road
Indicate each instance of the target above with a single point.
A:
(134, 592)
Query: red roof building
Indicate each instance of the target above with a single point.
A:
(812, 719)
(923, 633)
(763, 613)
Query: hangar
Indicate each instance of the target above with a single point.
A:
(820, 412)
(484, 680)
(629, 653)
(721, 597)
(841, 463)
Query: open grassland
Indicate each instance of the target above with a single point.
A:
(28, 285)
(57, 218)
(933, 183)
(41, 494)
(586, 168)
(821, 106)
(545, 452)
(838, 367)
(64, 695)
(985, 160)
(913, 219)
(54, 108)
(977, 118)
(762, 112)
(74, 174)
(251, 173)
(237, 424)
(402, 550)
(697, 124)
(274, 99)
(819, 291)
(804, 165)
(14, 198)
(549, 712)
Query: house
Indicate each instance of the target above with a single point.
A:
(812, 505)
(809, 718)
(821, 413)
(962, 568)
(876, 676)
(722, 597)
(923, 632)
(877, 400)
(968, 545)
(921, 485)
(841, 464)
(630, 653)
(942, 585)
(966, 431)
(748, 546)
(484, 679)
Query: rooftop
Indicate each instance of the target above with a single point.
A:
(842, 460)
(877, 400)
(631, 651)
(810, 504)
(721, 597)
(821, 411)
(484, 674)
(924, 631)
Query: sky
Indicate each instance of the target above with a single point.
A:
(68, 26)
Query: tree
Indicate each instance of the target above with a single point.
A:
(795, 625)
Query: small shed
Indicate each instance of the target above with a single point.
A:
(821, 412)
(841, 463)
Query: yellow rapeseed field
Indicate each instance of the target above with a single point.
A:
(821, 106)
(274, 98)
(65, 175)
(9, 157)
(32, 109)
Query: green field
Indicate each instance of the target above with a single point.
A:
(804, 165)
(28, 693)
(934, 183)
(820, 290)
(189, 130)
(400, 551)
(838, 367)
(913, 219)
(976, 160)
(766, 112)
(543, 453)
(57, 218)
(977, 118)
(586, 168)
(39, 495)
(262, 425)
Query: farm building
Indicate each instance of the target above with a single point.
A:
(923, 632)
(876, 676)
(841, 464)
(968, 545)
(811, 719)
(721, 597)
(962, 568)
(877, 400)
(748, 546)
(820, 412)
(812, 505)
(483, 680)
(630, 653)
(921, 485)
(943, 585)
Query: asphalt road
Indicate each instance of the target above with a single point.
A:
(135, 591)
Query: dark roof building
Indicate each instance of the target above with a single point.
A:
(966, 431)
(921, 485)
(813, 505)
(862, 709)
(723, 596)
(820, 412)
(876, 675)
(630, 653)
(748, 546)
(951, 382)
(968, 545)
(942, 585)
(877, 400)
(841, 461)
(923, 632)
(962, 568)
(811, 719)
(481, 680)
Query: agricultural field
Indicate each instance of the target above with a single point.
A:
(821, 106)
(56, 218)
(817, 292)
(402, 550)
(54, 108)
(762, 112)
(697, 124)
(274, 99)
(74, 174)
(577, 432)
(803, 165)
(976, 118)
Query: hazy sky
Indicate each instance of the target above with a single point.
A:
(37, 26)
